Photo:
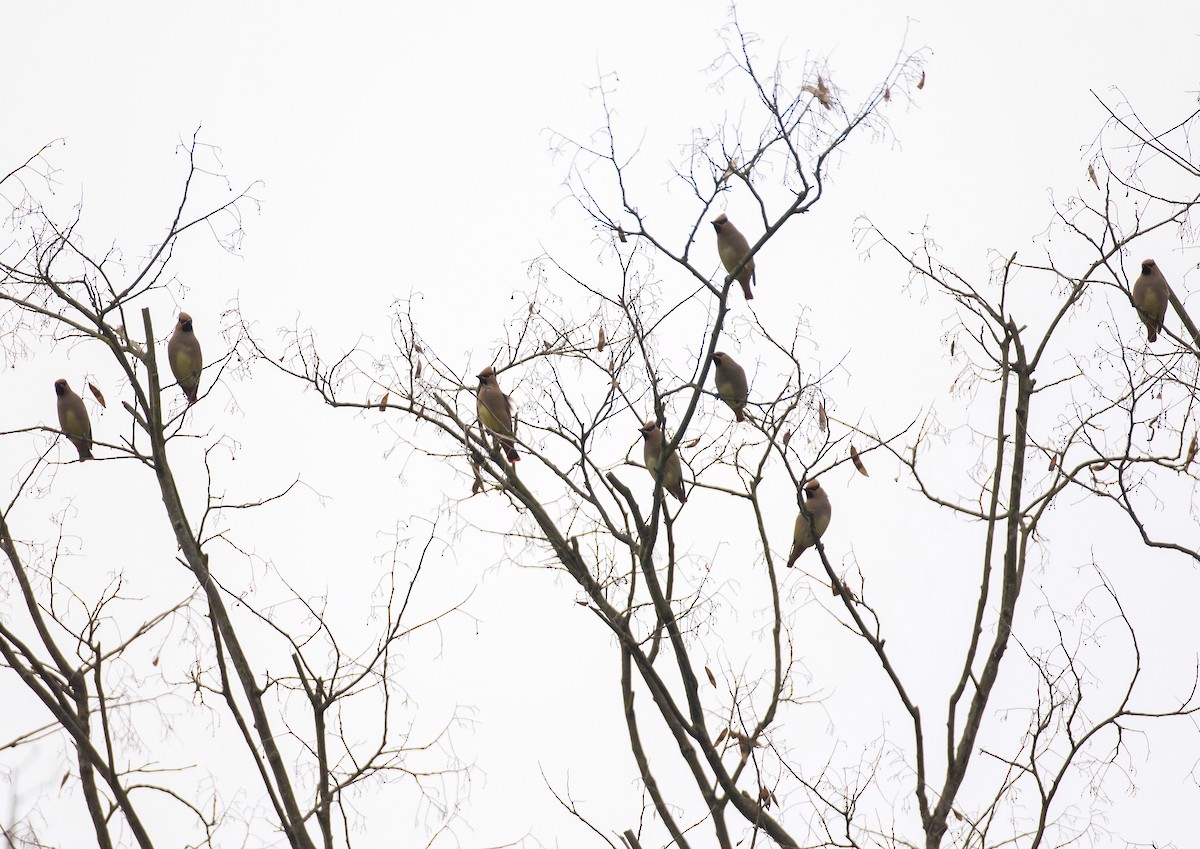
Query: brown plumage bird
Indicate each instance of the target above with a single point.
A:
(183, 352)
(817, 504)
(732, 246)
(1151, 295)
(672, 479)
(730, 379)
(73, 419)
(495, 412)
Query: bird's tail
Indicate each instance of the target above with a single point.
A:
(510, 451)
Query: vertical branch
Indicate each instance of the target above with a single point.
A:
(87, 775)
(639, 753)
(67, 699)
(989, 543)
(317, 702)
(935, 825)
(197, 561)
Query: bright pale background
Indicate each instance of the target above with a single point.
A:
(404, 153)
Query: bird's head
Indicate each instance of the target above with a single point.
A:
(647, 429)
(185, 322)
(812, 488)
(1148, 266)
(719, 222)
(718, 357)
(60, 386)
(486, 376)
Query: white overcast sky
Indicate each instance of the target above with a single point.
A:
(403, 152)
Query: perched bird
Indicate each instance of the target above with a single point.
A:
(817, 505)
(73, 419)
(732, 246)
(731, 383)
(186, 360)
(672, 479)
(495, 413)
(1151, 295)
